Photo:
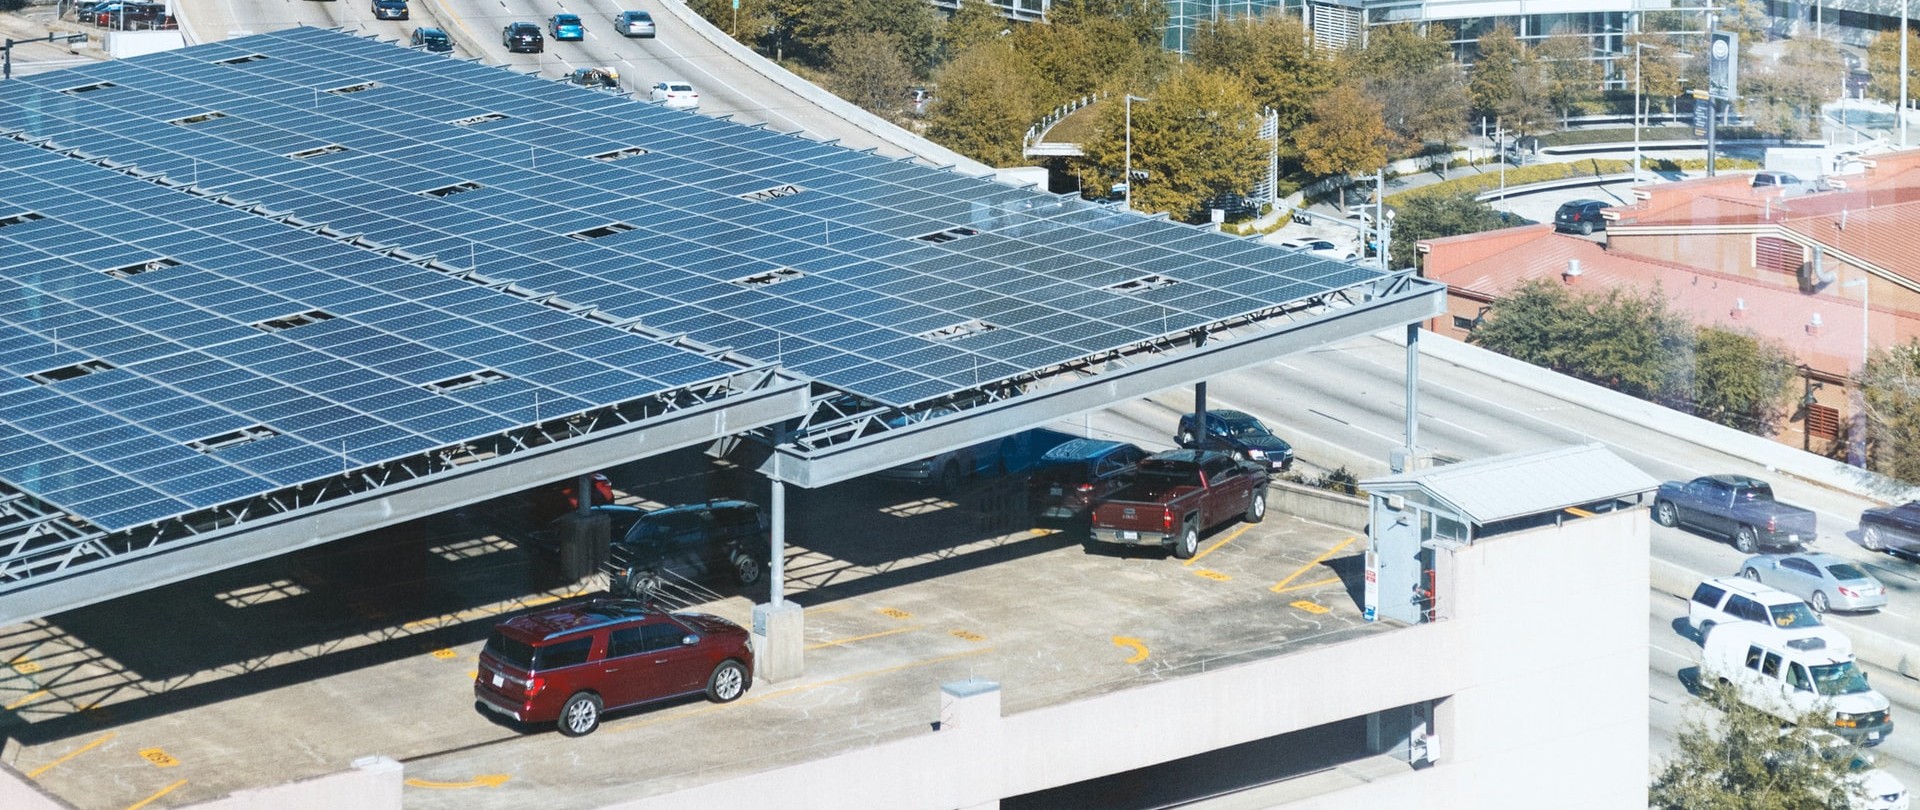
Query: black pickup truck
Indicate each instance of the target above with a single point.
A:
(1735, 506)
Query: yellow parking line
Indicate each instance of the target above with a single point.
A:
(26, 700)
(840, 641)
(149, 800)
(1327, 581)
(1282, 584)
(35, 773)
(793, 690)
(1223, 541)
(1578, 512)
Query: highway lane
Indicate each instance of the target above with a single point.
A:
(1671, 706)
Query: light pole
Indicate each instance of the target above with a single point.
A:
(1637, 114)
(1127, 203)
(1900, 107)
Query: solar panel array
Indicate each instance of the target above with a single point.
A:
(894, 281)
(162, 354)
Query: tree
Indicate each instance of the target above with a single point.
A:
(1621, 338)
(1344, 136)
(867, 70)
(1142, 21)
(1431, 216)
(1783, 96)
(1883, 61)
(1088, 56)
(1659, 69)
(1571, 74)
(973, 23)
(1890, 385)
(1198, 137)
(1740, 380)
(1274, 57)
(753, 22)
(1741, 759)
(1422, 93)
(1748, 18)
(811, 29)
(988, 97)
(1506, 82)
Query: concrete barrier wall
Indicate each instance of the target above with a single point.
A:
(17, 792)
(373, 783)
(1318, 505)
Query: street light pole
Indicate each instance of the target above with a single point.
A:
(1127, 202)
(1900, 108)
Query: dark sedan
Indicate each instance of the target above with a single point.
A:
(1894, 529)
(523, 37)
(1073, 476)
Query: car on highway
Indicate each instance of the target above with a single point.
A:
(1324, 248)
(1736, 506)
(1241, 435)
(566, 28)
(597, 77)
(573, 663)
(1722, 600)
(1073, 476)
(675, 93)
(1826, 581)
(523, 37)
(1868, 787)
(1580, 216)
(390, 10)
(634, 24)
(432, 39)
(1894, 529)
(1793, 672)
(668, 550)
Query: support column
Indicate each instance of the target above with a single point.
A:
(779, 626)
(970, 709)
(1200, 432)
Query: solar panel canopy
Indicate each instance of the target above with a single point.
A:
(897, 282)
(163, 354)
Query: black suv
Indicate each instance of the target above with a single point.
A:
(432, 39)
(657, 551)
(1582, 216)
(523, 37)
(1240, 435)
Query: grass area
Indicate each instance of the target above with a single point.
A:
(1625, 134)
(1544, 172)
(1077, 127)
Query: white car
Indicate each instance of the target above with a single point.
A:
(1871, 788)
(675, 93)
(1323, 248)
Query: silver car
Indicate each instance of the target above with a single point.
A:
(634, 24)
(1826, 581)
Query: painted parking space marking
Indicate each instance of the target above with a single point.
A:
(792, 690)
(1138, 647)
(1281, 586)
(156, 794)
(894, 613)
(1305, 585)
(444, 653)
(159, 757)
(1213, 575)
(1307, 606)
(1223, 541)
(25, 666)
(35, 773)
(967, 635)
(488, 780)
(28, 698)
(839, 641)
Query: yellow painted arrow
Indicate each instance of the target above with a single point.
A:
(1139, 648)
(483, 780)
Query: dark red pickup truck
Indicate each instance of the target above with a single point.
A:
(1178, 494)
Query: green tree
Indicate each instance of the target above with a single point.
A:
(1273, 56)
(752, 23)
(1740, 758)
(987, 99)
(1741, 380)
(1507, 83)
(973, 23)
(1345, 135)
(1422, 92)
(1783, 96)
(1431, 216)
(1198, 137)
(1748, 18)
(1624, 339)
(1572, 76)
(867, 69)
(811, 29)
(1660, 70)
(1883, 61)
(1142, 21)
(1089, 56)
(1891, 389)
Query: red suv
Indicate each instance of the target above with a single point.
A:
(571, 663)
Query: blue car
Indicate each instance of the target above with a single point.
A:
(566, 26)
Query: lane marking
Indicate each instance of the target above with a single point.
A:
(794, 690)
(1128, 642)
(837, 642)
(35, 773)
(1456, 426)
(26, 700)
(1281, 586)
(1223, 541)
(491, 780)
(1305, 585)
(157, 794)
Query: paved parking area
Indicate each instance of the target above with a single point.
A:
(293, 667)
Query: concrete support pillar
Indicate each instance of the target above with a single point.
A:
(779, 626)
(971, 710)
(583, 544)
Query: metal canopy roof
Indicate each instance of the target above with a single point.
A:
(1531, 482)
(171, 366)
(896, 282)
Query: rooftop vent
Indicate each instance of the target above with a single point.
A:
(448, 191)
(318, 151)
(477, 119)
(765, 279)
(79, 369)
(22, 217)
(608, 229)
(240, 60)
(1807, 643)
(948, 235)
(466, 381)
(776, 192)
(617, 154)
(1142, 284)
(242, 436)
(87, 88)
(197, 119)
(148, 266)
(960, 330)
(353, 88)
(293, 321)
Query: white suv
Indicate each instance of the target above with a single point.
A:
(1738, 599)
